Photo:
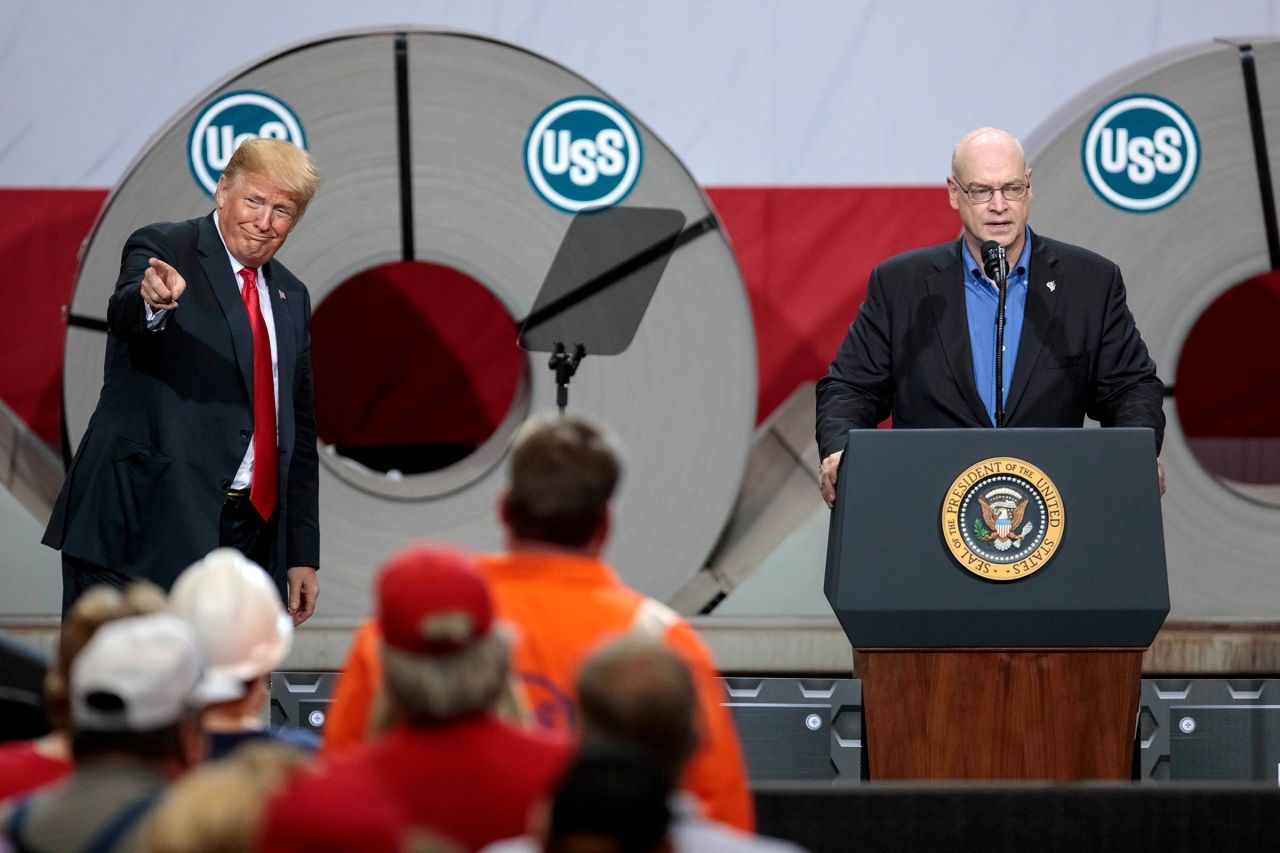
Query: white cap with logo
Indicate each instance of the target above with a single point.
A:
(140, 674)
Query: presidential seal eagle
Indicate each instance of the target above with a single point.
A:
(1002, 519)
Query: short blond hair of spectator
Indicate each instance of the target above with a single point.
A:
(217, 808)
(97, 607)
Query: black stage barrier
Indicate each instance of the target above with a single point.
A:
(1021, 817)
(794, 729)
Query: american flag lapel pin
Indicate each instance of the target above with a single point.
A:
(1052, 285)
(281, 292)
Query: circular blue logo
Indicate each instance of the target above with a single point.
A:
(228, 121)
(1141, 153)
(582, 153)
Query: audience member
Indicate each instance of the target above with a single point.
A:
(563, 600)
(137, 690)
(635, 691)
(242, 626)
(447, 764)
(31, 764)
(613, 799)
(217, 807)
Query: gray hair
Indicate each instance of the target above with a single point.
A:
(443, 687)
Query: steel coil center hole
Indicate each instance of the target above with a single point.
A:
(1228, 388)
(416, 366)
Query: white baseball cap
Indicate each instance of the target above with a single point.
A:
(139, 674)
(235, 611)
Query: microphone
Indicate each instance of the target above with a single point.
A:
(994, 262)
(996, 266)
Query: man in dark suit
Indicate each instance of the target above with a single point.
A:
(922, 347)
(204, 434)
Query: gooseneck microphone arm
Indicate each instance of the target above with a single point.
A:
(996, 266)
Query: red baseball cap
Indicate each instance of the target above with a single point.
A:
(432, 600)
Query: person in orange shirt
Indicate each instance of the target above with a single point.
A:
(563, 601)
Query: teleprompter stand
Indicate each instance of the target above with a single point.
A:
(599, 286)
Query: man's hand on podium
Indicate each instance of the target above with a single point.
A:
(827, 477)
(1160, 471)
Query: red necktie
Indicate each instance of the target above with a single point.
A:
(262, 488)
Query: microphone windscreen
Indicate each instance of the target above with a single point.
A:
(991, 252)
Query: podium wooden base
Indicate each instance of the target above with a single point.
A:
(1061, 714)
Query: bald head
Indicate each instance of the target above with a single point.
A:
(636, 690)
(985, 143)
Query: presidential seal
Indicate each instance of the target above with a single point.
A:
(1002, 519)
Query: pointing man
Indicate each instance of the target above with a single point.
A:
(204, 434)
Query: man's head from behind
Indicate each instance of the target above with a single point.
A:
(635, 690)
(443, 656)
(564, 471)
(137, 690)
(612, 799)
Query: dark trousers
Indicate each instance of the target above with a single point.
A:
(243, 529)
(240, 527)
(78, 576)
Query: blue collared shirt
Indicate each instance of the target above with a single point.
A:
(980, 300)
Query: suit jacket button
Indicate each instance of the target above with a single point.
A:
(244, 433)
(226, 484)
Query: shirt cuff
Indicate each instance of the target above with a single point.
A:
(155, 319)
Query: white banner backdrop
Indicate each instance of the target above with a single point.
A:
(754, 93)
(745, 92)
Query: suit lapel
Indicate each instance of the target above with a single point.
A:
(946, 292)
(286, 345)
(1042, 304)
(213, 259)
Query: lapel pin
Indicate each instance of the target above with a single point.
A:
(1052, 285)
(281, 292)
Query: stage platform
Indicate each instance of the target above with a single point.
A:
(815, 646)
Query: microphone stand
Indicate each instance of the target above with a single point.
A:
(565, 366)
(1001, 279)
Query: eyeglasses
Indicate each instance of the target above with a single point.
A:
(979, 194)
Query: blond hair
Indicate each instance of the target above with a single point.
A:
(219, 806)
(283, 163)
(98, 606)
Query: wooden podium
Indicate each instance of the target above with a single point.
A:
(964, 676)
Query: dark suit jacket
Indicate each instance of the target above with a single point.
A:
(908, 351)
(144, 492)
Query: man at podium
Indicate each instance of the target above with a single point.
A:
(923, 346)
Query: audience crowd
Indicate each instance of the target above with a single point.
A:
(511, 702)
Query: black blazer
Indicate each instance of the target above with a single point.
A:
(908, 353)
(144, 492)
